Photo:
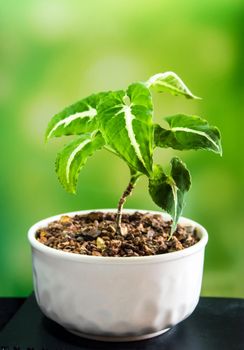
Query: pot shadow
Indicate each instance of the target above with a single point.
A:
(178, 335)
(205, 329)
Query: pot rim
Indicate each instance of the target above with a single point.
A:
(40, 247)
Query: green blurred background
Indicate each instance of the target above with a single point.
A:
(53, 52)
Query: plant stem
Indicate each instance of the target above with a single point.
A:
(122, 200)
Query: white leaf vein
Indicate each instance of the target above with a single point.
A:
(73, 155)
(198, 132)
(91, 113)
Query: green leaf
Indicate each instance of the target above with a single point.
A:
(79, 118)
(168, 191)
(126, 124)
(74, 156)
(169, 82)
(188, 132)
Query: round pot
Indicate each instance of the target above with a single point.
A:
(117, 298)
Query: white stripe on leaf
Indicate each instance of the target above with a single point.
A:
(129, 117)
(125, 120)
(175, 196)
(174, 84)
(201, 133)
(91, 113)
(72, 157)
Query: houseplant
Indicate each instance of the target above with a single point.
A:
(123, 293)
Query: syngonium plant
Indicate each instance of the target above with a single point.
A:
(122, 123)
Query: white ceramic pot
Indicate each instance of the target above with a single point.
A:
(117, 298)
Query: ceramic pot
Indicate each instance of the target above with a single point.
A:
(117, 298)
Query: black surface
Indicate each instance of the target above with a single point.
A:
(8, 307)
(216, 324)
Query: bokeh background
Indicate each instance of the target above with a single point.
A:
(54, 52)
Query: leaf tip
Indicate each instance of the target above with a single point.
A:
(220, 151)
(196, 97)
(69, 189)
(47, 135)
(190, 96)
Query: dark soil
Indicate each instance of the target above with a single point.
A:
(95, 234)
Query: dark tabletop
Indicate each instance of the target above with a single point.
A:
(216, 324)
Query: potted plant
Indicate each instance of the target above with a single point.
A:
(130, 275)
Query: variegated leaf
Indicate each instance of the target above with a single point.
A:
(76, 119)
(74, 156)
(168, 191)
(169, 82)
(126, 123)
(188, 132)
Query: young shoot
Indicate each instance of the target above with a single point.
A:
(122, 122)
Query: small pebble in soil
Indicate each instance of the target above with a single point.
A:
(95, 234)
